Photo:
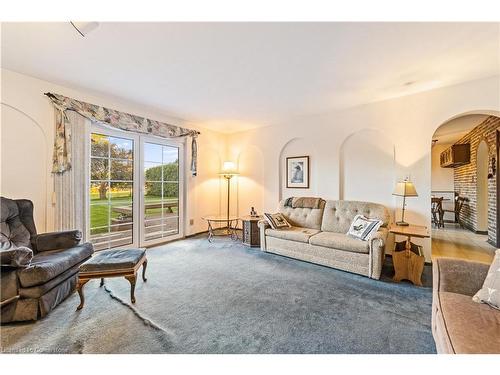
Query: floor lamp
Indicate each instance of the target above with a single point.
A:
(228, 171)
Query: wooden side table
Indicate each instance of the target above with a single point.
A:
(251, 234)
(407, 264)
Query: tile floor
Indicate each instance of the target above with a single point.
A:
(455, 242)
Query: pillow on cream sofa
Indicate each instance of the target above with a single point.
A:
(490, 292)
(277, 221)
(362, 228)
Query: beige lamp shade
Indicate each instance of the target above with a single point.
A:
(405, 189)
(229, 169)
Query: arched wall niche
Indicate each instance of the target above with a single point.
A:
(299, 147)
(24, 161)
(367, 167)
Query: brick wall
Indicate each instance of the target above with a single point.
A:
(465, 177)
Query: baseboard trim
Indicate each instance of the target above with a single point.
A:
(195, 234)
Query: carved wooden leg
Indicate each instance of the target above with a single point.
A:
(144, 265)
(102, 282)
(131, 279)
(79, 288)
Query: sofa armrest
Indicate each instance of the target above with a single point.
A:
(56, 240)
(377, 252)
(263, 225)
(379, 238)
(458, 276)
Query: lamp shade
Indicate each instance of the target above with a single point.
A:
(229, 169)
(405, 189)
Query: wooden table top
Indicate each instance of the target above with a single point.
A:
(410, 230)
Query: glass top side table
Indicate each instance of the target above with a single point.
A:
(229, 230)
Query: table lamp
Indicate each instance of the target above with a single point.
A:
(404, 189)
(228, 171)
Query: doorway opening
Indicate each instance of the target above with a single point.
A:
(464, 189)
(135, 190)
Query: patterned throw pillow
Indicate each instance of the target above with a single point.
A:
(490, 292)
(277, 221)
(362, 227)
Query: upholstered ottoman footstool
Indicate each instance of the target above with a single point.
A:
(112, 263)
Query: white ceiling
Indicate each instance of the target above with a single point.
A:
(235, 76)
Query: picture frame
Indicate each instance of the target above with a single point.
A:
(297, 172)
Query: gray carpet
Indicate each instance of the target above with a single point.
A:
(226, 298)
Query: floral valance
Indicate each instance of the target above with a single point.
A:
(111, 117)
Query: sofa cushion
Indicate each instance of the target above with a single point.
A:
(340, 241)
(338, 215)
(303, 217)
(471, 327)
(49, 264)
(114, 259)
(39, 290)
(297, 234)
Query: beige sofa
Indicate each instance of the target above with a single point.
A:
(460, 325)
(319, 236)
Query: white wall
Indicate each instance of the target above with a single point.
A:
(442, 178)
(27, 133)
(409, 123)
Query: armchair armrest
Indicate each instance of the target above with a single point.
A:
(458, 276)
(16, 257)
(56, 240)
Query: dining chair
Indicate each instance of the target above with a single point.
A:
(437, 211)
(459, 203)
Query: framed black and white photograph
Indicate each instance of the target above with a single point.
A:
(297, 172)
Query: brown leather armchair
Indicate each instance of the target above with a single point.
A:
(38, 271)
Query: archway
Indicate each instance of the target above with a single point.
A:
(471, 180)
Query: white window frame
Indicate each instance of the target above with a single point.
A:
(182, 193)
(138, 235)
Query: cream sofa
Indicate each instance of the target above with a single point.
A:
(319, 236)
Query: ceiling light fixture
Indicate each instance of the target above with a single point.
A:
(83, 28)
